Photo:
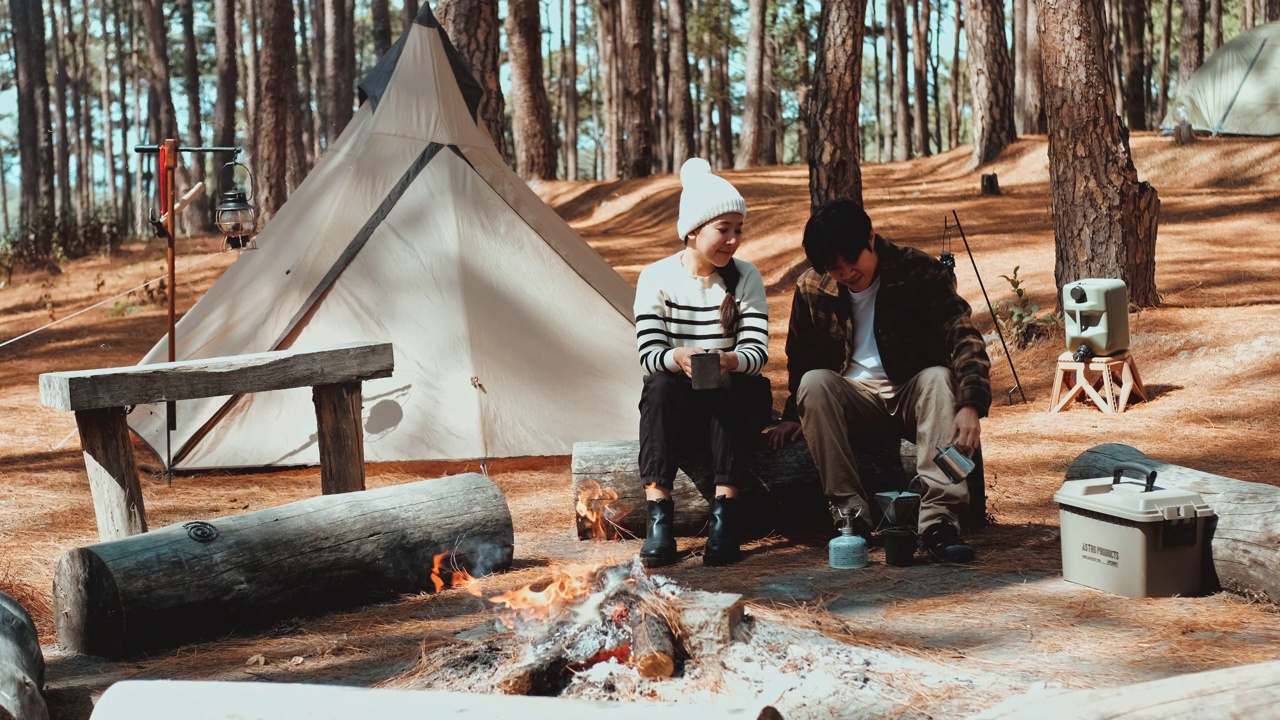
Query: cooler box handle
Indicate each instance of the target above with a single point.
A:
(1139, 468)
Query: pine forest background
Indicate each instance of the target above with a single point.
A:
(576, 89)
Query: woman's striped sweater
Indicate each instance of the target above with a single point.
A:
(675, 308)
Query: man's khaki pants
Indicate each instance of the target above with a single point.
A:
(833, 408)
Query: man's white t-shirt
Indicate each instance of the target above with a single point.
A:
(865, 363)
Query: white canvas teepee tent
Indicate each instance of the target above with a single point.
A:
(512, 336)
(1237, 90)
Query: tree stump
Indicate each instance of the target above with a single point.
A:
(1245, 544)
(199, 579)
(21, 664)
(782, 490)
(990, 184)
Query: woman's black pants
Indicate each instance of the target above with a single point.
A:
(680, 426)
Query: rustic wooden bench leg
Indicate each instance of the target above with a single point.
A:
(341, 437)
(113, 477)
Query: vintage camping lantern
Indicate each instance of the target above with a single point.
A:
(236, 217)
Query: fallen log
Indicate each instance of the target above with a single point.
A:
(782, 490)
(21, 664)
(1245, 544)
(1248, 691)
(708, 620)
(199, 579)
(192, 700)
(653, 649)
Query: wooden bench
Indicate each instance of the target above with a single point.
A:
(101, 399)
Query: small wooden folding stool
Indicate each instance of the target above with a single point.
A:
(1107, 381)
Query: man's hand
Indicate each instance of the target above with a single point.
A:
(682, 355)
(783, 433)
(966, 431)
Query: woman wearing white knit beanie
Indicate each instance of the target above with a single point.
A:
(701, 300)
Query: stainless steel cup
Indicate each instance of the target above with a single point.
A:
(954, 463)
(706, 370)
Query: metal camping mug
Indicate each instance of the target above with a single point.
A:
(954, 463)
(706, 370)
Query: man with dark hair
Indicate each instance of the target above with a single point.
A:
(880, 343)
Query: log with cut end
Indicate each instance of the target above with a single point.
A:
(1245, 544)
(199, 579)
(653, 649)
(21, 664)
(708, 620)
(1248, 691)
(782, 490)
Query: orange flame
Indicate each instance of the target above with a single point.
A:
(460, 578)
(595, 513)
(563, 591)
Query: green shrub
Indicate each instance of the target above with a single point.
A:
(1020, 319)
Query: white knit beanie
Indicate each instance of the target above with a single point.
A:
(705, 197)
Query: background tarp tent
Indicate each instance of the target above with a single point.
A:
(512, 335)
(1237, 90)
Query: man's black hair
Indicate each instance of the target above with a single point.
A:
(837, 229)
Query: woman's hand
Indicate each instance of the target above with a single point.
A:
(728, 361)
(682, 355)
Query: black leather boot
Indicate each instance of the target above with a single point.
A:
(722, 537)
(660, 539)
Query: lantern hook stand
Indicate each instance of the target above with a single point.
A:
(163, 226)
(949, 259)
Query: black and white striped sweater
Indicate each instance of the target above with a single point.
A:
(675, 308)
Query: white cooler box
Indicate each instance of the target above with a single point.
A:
(1133, 538)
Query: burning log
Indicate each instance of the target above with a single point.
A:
(21, 664)
(653, 649)
(783, 491)
(203, 579)
(1245, 545)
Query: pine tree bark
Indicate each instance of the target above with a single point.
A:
(953, 112)
(934, 63)
(875, 79)
(920, 48)
(530, 109)
(749, 141)
(1135, 86)
(340, 86)
(1020, 65)
(380, 19)
(122, 90)
(890, 77)
(108, 126)
(707, 139)
(153, 21)
(1191, 51)
(1246, 14)
(473, 28)
(1273, 10)
(906, 143)
(35, 149)
(1034, 120)
(250, 60)
(609, 41)
(196, 217)
(77, 116)
(990, 79)
(1104, 219)
(1162, 102)
(679, 101)
(638, 69)
(802, 83)
(279, 134)
(408, 14)
(224, 104)
(724, 106)
(571, 95)
(834, 147)
(662, 79)
(1214, 18)
(770, 103)
(306, 88)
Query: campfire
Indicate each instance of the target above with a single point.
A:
(599, 514)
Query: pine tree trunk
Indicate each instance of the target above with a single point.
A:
(408, 14)
(1104, 219)
(1214, 17)
(571, 96)
(278, 61)
(890, 78)
(530, 109)
(875, 78)
(662, 77)
(153, 21)
(224, 104)
(833, 118)
(319, 46)
(87, 166)
(920, 47)
(1034, 120)
(679, 101)
(1135, 87)
(35, 166)
(724, 107)
(339, 86)
(934, 63)
(953, 112)
(1162, 102)
(707, 144)
(62, 148)
(638, 66)
(473, 29)
(1191, 51)
(306, 89)
(769, 101)
(906, 145)
(196, 217)
(990, 79)
(1273, 10)
(251, 62)
(122, 90)
(749, 141)
(1246, 14)
(1020, 65)
(76, 116)
(380, 19)
(145, 122)
(803, 83)
(108, 126)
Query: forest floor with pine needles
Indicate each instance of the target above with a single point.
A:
(1210, 357)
